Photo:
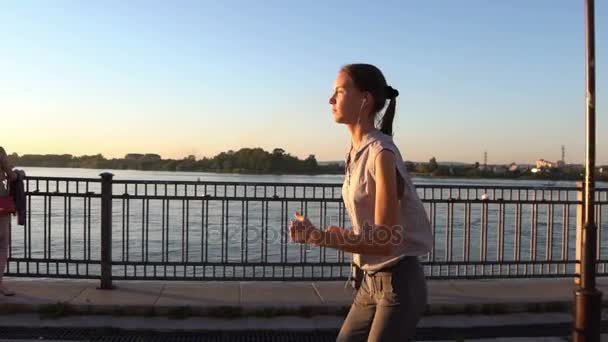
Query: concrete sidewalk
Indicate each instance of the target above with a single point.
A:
(267, 299)
(471, 308)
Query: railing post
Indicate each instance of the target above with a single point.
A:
(106, 231)
(580, 221)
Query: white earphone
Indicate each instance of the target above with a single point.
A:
(361, 109)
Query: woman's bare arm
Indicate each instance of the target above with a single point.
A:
(384, 235)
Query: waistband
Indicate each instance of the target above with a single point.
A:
(391, 269)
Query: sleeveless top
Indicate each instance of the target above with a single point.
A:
(359, 194)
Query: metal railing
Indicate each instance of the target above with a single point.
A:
(123, 229)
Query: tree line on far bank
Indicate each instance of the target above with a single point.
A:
(245, 160)
(259, 161)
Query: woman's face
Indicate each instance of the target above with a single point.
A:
(347, 102)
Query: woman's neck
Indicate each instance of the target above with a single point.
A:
(357, 132)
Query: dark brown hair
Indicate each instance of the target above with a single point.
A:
(369, 78)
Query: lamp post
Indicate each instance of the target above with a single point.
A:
(587, 299)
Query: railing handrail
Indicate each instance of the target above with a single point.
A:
(302, 184)
(53, 179)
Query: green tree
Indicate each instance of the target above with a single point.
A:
(410, 166)
(433, 164)
(310, 163)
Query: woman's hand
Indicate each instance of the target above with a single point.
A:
(301, 230)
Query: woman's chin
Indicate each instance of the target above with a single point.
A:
(339, 119)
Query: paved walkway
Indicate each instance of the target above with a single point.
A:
(279, 298)
(245, 306)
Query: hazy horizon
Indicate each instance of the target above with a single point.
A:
(445, 162)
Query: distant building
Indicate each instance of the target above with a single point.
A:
(513, 167)
(500, 170)
(545, 164)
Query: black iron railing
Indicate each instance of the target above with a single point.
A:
(118, 229)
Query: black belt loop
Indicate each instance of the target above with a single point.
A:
(357, 276)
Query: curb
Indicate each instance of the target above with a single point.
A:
(61, 309)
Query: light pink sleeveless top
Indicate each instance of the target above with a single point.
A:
(359, 193)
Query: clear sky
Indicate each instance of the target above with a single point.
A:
(202, 77)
